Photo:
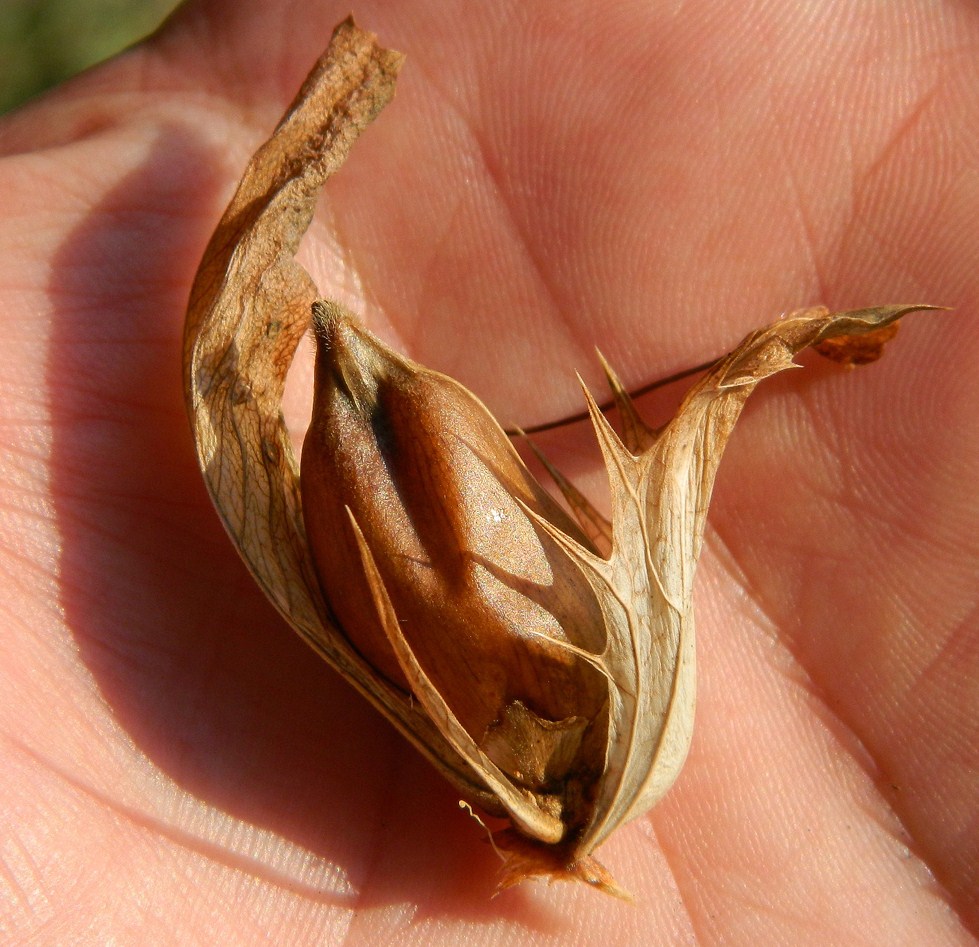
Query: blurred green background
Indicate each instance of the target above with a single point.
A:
(43, 42)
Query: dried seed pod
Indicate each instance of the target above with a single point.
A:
(563, 679)
(404, 471)
(545, 668)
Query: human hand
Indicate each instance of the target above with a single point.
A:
(655, 179)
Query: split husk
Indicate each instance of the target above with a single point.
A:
(546, 668)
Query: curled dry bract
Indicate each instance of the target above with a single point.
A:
(565, 765)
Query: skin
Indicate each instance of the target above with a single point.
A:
(659, 178)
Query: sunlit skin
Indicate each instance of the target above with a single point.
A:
(655, 178)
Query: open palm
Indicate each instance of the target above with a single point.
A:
(655, 178)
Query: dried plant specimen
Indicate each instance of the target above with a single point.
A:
(543, 661)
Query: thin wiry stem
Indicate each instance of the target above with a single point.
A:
(608, 405)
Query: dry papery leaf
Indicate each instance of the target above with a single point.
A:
(544, 665)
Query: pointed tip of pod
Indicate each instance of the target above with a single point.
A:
(339, 336)
(348, 358)
(326, 317)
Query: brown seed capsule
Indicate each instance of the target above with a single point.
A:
(547, 682)
(563, 680)
(481, 592)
